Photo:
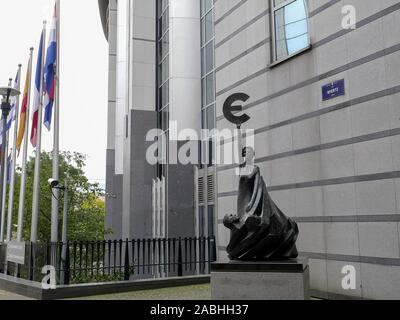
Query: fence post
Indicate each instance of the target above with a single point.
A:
(209, 254)
(18, 271)
(48, 253)
(67, 266)
(1, 258)
(126, 269)
(180, 267)
(214, 249)
(31, 261)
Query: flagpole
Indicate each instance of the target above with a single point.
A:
(3, 188)
(4, 195)
(13, 163)
(56, 147)
(21, 207)
(36, 182)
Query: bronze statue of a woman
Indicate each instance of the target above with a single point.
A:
(260, 230)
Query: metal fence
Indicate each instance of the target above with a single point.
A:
(102, 261)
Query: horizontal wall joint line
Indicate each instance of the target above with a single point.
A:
(393, 262)
(244, 27)
(230, 11)
(326, 146)
(326, 182)
(344, 219)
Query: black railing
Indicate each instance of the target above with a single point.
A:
(118, 260)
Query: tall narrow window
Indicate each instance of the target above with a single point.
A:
(163, 60)
(290, 28)
(163, 83)
(208, 121)
(207, 64)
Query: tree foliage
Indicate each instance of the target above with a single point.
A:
(86, 211)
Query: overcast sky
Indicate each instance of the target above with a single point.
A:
(83, 90)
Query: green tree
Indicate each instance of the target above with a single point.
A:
(86, 200)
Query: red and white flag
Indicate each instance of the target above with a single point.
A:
(38, 92)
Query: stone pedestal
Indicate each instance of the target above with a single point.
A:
(279, 280)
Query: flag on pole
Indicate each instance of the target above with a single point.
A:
(37, 94)
(21, 135)
(11, 116)
(11, 170)
(56, 128)
(36, 138)
(49, 72)
(24, 109)
(9, 163)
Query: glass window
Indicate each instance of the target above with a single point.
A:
(165, 119)
(291, 34)
(164, 4)
(208, 121)
(164, 45)
(211, 117)
(163, 148)
(210, 89)
(208, 96)
(203, 93)
(203, 119)
(165, 23)
(209, 27)
(208, 118)
(163, 95)
(202, 29)
(202, 7)
(163, 61)
(163, 70)
(209, 58)
(163, 17)
(205, 6)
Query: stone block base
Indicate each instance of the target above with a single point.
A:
(281, 280)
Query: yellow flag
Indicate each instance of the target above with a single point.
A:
(24, 109)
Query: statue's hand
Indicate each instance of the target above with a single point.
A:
(230, 220)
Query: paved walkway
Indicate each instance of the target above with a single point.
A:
(4, 295)
(197, 292)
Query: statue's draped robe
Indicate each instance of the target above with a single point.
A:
(261, 231)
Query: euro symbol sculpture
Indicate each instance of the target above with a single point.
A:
(259, 230)
(229, 108)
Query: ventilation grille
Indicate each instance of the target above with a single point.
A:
(201, 191)
(210, 189)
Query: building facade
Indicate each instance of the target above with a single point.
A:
(324, 85)
(156, 51)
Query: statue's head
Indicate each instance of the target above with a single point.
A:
(249, 154)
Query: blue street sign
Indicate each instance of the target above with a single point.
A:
(333, 90)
